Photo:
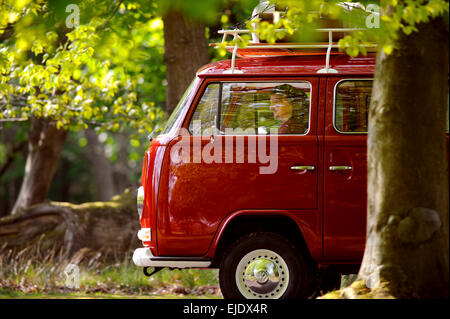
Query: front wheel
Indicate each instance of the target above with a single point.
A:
(264, 265)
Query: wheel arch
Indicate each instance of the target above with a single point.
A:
(241, 223)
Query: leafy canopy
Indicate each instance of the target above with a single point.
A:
(106, 71)
(379, 22)
(89, 62)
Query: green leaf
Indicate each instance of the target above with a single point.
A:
(388, 48)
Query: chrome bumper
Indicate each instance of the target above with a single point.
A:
(143, 257)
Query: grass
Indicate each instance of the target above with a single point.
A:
(7, 294)
(28, 273)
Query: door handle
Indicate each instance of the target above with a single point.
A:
(340, 168)
(303, 168)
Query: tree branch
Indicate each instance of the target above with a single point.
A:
(111, 16)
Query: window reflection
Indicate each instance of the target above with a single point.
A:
(205, 115)
(352, 105)
(259, 108)
(253, 108)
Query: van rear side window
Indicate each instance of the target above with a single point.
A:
(252, 108)
(351, 105)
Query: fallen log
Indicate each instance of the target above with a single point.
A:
(107, 227)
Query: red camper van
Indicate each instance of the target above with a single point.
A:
(261, 172)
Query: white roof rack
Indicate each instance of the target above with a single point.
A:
(256, 45)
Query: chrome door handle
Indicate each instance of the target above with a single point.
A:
(340, 168)
(303, 168)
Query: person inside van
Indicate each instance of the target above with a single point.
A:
(291, 106)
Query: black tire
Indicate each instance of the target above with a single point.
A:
(281, 251)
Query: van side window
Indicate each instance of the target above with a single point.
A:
(352, 100)
(205, 115)
(264, 108)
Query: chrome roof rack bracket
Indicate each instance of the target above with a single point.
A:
(329, 70)
(330, 45)
(232, 70)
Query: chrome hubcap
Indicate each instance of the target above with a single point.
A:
(262, 273)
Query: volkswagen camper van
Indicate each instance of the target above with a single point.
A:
(260, 172)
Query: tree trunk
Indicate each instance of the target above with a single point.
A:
(106, 227)
(122, 171)
(407, 244)
(45, 142)
(186, 50)
(101, 168)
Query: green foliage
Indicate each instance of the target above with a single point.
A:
(233, 14)
(107, 72)
(380, 21)
(205, 11)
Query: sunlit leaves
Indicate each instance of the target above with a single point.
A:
(394, 16)
(106, 73)
(388, 48)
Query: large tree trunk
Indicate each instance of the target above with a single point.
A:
(44, 148)
(407, 245)
(186, 50)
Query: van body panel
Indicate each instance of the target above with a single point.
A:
(195, 198)
(150, 182)
(345, 192)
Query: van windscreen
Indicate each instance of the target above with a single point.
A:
(174, 117)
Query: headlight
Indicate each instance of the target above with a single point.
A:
(140, 201)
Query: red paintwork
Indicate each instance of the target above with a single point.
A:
(344, 210)
(189, 205)
(199, 196)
